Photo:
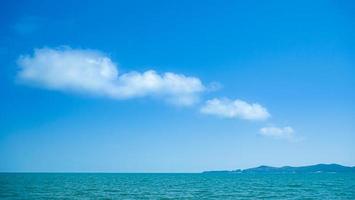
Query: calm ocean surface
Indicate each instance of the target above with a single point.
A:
(177, 186)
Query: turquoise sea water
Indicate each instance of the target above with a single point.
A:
(176, 186)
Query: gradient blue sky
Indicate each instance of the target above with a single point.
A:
(295, 58)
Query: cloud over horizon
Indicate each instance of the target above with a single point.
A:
(92, 72)
(286, 132)
(227, 108)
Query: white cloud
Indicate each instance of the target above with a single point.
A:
(286, 132)
(88, 71)
(235, 109)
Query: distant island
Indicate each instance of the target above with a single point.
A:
(319, 168)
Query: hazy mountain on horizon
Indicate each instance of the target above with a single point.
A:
(318, 168)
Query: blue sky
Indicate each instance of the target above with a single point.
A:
(175, 86)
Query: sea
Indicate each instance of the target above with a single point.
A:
(39, 186)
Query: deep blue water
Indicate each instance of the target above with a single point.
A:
(176, 186)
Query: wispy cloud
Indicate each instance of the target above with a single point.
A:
(28, 25)
(92, 72)
(235, 109)
(286, 132)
